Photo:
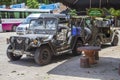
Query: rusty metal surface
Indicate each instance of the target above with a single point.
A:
(90, 52)
(84, 62)
(88, 48)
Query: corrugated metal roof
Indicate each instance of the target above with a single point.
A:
(83, 4)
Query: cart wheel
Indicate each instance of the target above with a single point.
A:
(97, 42)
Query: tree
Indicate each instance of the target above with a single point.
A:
(114, 12)
(5, 2)
(32, 3)
(73, 12)
(45, 1)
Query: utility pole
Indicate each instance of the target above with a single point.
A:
(107, 1)
(100, 3)
(90, 3)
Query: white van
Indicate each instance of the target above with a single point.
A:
(22, 28)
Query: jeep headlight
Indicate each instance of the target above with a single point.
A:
(35, 41)
(12, 39)
(27, 41)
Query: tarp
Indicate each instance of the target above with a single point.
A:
(54, 6)
(22, 5)
(2, 6)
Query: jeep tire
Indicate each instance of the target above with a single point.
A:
(97, 42)
(12, 56)
(115, 40)
(43, 55)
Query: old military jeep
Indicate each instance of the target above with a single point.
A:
(47, 36)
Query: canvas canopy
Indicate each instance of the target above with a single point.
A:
(54, 6)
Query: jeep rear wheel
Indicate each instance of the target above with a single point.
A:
(78, 44)
(97, 42)
(43, 55)
(12, 56)
(115, 41)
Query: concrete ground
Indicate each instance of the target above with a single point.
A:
(64, 67)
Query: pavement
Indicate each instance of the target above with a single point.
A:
(64, 67)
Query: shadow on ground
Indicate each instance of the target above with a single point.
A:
(106, 46)
(25, 61)
(106, 69)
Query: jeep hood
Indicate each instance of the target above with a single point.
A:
(23, 25)
(33, 36)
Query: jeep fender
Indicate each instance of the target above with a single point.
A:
(49, 45)
(99, 37)
(115, 32)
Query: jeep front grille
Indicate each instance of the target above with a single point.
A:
(20, 43)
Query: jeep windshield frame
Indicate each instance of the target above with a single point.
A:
(43, 25)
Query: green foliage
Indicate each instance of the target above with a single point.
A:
(46, 1)
(32, 3)
(96, 12)
(114, 12)
(5, 2)
(73, 12)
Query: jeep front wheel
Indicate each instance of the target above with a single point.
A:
(11, 55)
(42, 55)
